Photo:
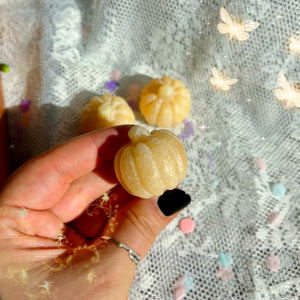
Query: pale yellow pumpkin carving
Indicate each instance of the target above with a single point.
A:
(165, 102)
(151, 163)
(106, 111)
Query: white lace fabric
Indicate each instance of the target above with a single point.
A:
(62, 52)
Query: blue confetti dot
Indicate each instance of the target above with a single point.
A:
(215, 183)
(188, 283)
(278, 190)
(225, 260)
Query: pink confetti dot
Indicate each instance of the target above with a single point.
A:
(115, 75)
(179, 292)
(25, 105)
(225, 274)
(86, 30)
(187, 225)
(133, 92)
(273, 263)
(275, 219)
(261, 164)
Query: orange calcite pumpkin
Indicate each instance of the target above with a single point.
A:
(106, 111)
(165, 102)
(152, 163)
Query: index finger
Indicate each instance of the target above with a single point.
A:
(41, 182)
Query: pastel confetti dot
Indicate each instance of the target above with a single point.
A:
(224, 274)
(275, 219)
(115, 75)
(189, 130)
(215, 183)
(189, 284)
(225, 259)
(278, 190)
(4, 68)
(273, 263)
(187, 225)
(212, 161)
(25, 105)
(261, 164)
(86, 30)
(111, 85)
(178, 291)
(133, 92)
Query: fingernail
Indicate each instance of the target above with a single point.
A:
(170, 202)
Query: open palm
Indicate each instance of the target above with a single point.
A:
(52, 220)
(40, 198)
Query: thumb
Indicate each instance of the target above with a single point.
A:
(137, 226)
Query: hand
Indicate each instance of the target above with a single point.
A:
(53, 218)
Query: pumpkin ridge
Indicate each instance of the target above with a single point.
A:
(173, 153)
(172, 111)
(145, 184)
(179, 145)
(183, 92)
(118, 169)
(159, 169)
(149, 98)
(161, 116)
(134, 167)
(173, 156)
(157, 103)
(137, 169)
(179, 114)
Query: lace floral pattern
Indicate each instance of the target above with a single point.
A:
(61, 53)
